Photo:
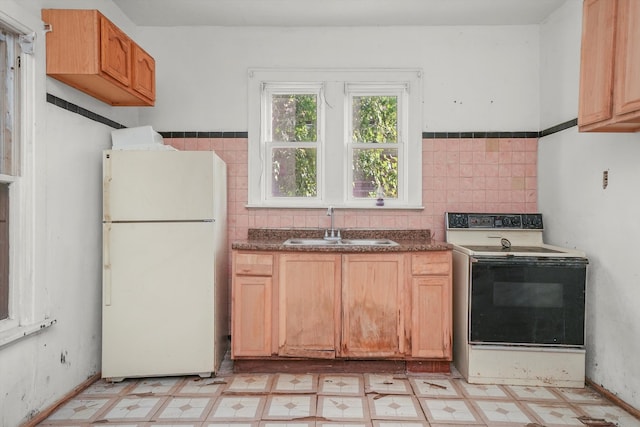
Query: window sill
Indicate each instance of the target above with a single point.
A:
(14, 334)
(336, 206)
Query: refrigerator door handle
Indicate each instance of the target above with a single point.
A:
(106, 267)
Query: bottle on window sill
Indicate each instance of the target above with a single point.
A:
(380, 196)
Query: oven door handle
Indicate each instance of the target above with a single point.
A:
(525, 260)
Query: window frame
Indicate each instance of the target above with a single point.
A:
(27, 303)
(334, 187)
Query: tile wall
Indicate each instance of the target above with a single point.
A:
(473, 175)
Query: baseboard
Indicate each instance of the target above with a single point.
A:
(44, 414)
(613, 398)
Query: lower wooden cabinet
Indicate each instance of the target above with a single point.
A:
(309, 305)
(251, 302)
(372, 304)
(431, 321)
(328, 305)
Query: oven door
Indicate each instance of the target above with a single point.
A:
(521, 300)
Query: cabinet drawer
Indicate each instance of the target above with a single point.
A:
(437, 262)
(253, 264)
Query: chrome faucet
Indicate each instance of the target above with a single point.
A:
(331, 234)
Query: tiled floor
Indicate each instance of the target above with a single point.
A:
(332, 400)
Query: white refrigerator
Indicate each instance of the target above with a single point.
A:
(165, 284)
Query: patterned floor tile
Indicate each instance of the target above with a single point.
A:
(555, 415)
(502, 413)
(185, 409)
(395, 407)
(532, 393)
(289, 407)
(343, 408)
(434, 387)
(475, 391)
(341, 385)
(225, 424)
(379, 423)
(580, 395)
(259, 383)
(287, 424)
(156, 386)
(237, 408)
(610, 413)
(79, 409)
(202, 386)
(449, 411)
(386, 384)
(338, 424)
(132, 408)
(292, 383)
(104, 388)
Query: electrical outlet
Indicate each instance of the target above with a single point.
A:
(605, 179)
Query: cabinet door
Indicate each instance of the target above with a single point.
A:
(143, 73)
(309, 308)
(431, 317)
(372, 300)
(597, 56)
(251, 316)
(115, 52)
(627, 90)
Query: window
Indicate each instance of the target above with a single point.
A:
(23, 310)
(335, 137)
(9, 82)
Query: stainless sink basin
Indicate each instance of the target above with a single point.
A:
(341, 242)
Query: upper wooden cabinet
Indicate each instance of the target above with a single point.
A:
(610, 66)
(87, 51)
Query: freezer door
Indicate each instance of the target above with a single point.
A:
(158, 299)
(158, 185)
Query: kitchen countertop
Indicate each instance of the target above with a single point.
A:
(272, 239)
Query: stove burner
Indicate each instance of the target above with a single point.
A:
(523, 249)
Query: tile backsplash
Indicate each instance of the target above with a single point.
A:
(473, 175)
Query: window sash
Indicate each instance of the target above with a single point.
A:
(269, 147)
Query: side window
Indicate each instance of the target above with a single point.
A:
(9, 80)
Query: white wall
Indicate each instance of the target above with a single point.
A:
(38, 370)
(580, 213)
(476, 78)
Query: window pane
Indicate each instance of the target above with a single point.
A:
(375, 119)
(4, 251)
(373, 167)
(294, 172)
(294, 118)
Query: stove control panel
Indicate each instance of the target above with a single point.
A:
(504, 221)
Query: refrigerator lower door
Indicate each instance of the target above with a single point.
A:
(158, 299)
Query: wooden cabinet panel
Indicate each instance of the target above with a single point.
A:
(372, 302)
(309, 309)
(610, 66)
(115, 52)
(596, 72)
(143, 73)
(253, 263)
(431, 317)
(431, 309)
(251, 304)
(88, 52)
(431, 263)
(251, 321)
(627, 96)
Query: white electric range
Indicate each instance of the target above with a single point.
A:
(519, 304)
